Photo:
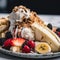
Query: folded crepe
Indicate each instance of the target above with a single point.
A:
(4, 25)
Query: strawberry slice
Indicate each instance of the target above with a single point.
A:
(17, 41)
(7, 43)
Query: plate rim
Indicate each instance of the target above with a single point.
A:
(30, 55)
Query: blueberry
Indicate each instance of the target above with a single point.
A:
(2, 40)
(8, 35)
(58, 29)
(49, 26)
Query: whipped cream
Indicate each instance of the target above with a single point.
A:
(18, 15)
(22, 13)
(27, 33)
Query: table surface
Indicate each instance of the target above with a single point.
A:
(53, 19)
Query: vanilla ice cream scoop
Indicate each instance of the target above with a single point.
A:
(18, 14)
(22, 13)
(27, 33)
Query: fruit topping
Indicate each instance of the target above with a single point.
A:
(7, 43)
(15, 49)
(58, 29)
(31, 44)
(17, 41)
(42, 48)
(25, 43)
(26, 49)
(2, 40)
(49, 26)
(8, 35)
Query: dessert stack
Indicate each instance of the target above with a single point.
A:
(27, 33)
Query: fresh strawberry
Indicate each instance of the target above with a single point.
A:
(7, 43)
(17, 41)
(31, 44)
(26, 49)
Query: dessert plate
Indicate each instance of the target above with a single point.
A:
(34, 55)
(30, 55)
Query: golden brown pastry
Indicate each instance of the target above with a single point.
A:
(4, 25)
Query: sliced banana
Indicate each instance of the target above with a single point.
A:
(42, 48)
(47, 36)
(15, 49)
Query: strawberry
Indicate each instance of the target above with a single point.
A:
(26, 49)
(7, 43)
(17, 41)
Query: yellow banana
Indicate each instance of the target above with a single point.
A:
(15, 49)
(42, 48)
(47, 36)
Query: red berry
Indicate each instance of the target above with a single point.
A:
(31, 44)
(58, 33)
(7, 43)
(26, 49)
(17, 41)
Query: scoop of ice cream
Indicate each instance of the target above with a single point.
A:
(22, 13)
(27, 33)
(19, 12)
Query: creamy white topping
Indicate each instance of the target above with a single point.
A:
(18, 16)
(22, 13)
(27, 33)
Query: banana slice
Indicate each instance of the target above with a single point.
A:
(42, 48)
(47, 36)
(58, 39)
(15, 49)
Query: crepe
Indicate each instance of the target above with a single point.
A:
(4, 26)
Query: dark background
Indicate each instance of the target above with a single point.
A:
(40, 6)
